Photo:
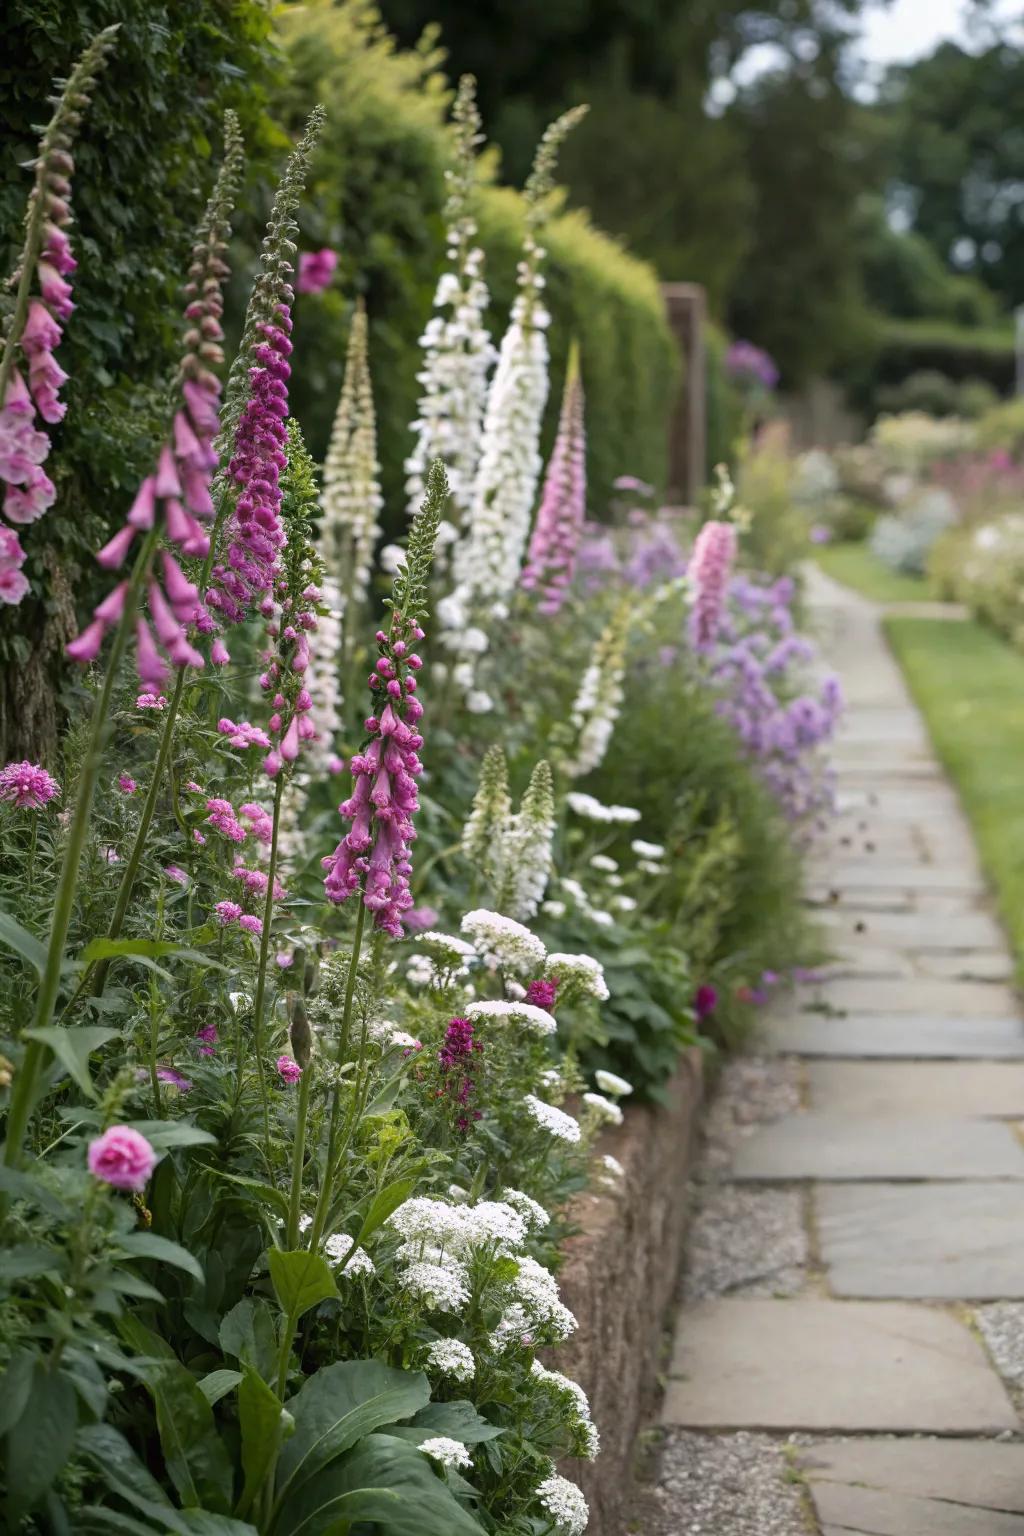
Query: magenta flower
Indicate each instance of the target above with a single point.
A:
(122, 1157)
(551, 561)
(27, 786)
(705, 1001)
(421, 917)
(375, 853)
(542, 993)
(748, 364)
(227, 912)
(251, 923)
(255, 536)
(288, 1070)
(207, 1037)
(151, 701)
(316, 268)
(173, 1079)
(176, 873)
(243, 735)
(126, 784)
(223, 819)
(176, 497)
(291, 723)
(709, 570)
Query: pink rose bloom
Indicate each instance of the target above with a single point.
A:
(289, 1070)
(122, 1157)
(13, 586)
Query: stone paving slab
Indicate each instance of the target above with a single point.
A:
(944, 999)
(899, 1035)
(826, 1147)
(971, 965)
(875, 875)
(986, 1089)
(916, 930)
(956, 1241)
(847, 1511)
(831, 1366)
(984, 1473)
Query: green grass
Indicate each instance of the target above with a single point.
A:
(855, 566)
(969, 684)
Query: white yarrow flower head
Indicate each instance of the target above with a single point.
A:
(591, 809)
(565, 1504)
(447, 1452)
(452, 1358)
(337, 1249)
(538, 1021)
(646, 850)
(610, 1082)
(572, 1398)
(506, 943)
(613, 1166)
(649, 867)
(586, 972)
(603, 1109)
(532, 1212)
(457, 348)
(536, 1290)
(441, 1287)
(602, 862)
(497, 1223)
(553, 1120)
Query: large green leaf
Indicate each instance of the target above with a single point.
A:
(27, 1259)
(165, 1134)
(14, 936)
(196, 1459)
(301, 1279)
(149, 1245)
(384, 1481)
(142, 950)
(217, 1384)
(383, 1205)
(338, 1406)
(247, 1333)
(39, 1442)
(458, 1420)
(15, 1386)
(260, 1418)
(125, 1475)
(73, 1047)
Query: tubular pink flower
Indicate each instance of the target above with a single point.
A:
(710, 565)
(316, 268)
(551, 560)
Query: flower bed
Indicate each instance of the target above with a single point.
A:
(303, 1098)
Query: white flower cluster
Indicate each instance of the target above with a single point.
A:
(603, 1109)
(589, 809)
(488, 561)
(565, 1504)
(587, 972)
(352, 497)
(435, 1230)
(611, 1083)
(602, 862)
(532, 1212)
(599, 698)
(526, 846)
(323, 678)
(457, 349)
(647, 850)
(537, 1020)
(337, 1249)
(441, 1287)
(506, 943)
(450, 1357)
(552, 1119)
(447, 1452)
(571, 1395)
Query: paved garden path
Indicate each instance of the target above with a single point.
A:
(850, 1356)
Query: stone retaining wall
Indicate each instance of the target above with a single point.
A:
(619, 1279)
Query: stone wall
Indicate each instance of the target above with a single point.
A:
(620, 1278)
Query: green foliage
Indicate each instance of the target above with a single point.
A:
(141, 176)
(379, 190)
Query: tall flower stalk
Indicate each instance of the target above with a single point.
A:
(270, 289)
(34, 331)
(489, 560)
(555, 540)
(599, 697)
(184, 468)
(457, 350)
(352, 497)
(373, 859)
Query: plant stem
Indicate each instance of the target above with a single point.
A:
(298, 1156)
(261, 974)
(23, 1094)
(327, 1186)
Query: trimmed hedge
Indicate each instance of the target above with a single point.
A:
(378, 195)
